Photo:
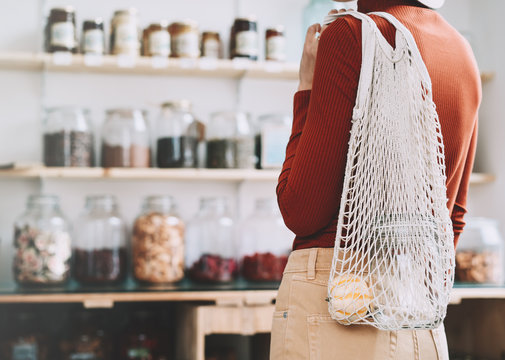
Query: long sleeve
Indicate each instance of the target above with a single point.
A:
(310, 185)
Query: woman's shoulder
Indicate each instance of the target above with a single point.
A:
(344, 29)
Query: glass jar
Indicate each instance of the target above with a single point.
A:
(271, 140)
(141, 340)
(60, 31)
(275, 44)
(244, 39)
(480, 253)
(210, 244)
(125, 139)
(125, 33)
(211, 45)
(158, 242)
(93, 37)
(265, 243)
(100, 247)
(185, 39)
(42, 243)
(68, 138)
(177, 136)
(156, 40)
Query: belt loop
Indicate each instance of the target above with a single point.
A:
(311, 264)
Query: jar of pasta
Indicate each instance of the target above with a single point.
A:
(185, 39)
(125, 36)
(158, 242)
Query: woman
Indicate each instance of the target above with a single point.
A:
(310, 185)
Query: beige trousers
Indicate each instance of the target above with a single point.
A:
(303, 329)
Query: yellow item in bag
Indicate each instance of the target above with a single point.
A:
(350, 297)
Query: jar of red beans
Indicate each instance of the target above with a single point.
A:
(100, 247)
(210, 243)
(265, 243)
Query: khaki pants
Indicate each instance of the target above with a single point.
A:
(303, 329)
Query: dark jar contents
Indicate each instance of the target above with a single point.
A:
(119, 156)
(244, 39)
(221, 154)
(93, 37)
(214, 268)
(263, 267)
(173, 152)
(73, 149)
(61, 31)
(156, 40)
(275, 44)
(211, 45)
(100, 265)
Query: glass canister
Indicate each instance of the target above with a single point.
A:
(265, 243)
(93, 37)
(210, 243)
(177, 136)
(142, 340)
(244, 39)
(480, 253)
(158, 242)
(211, 45)
(68, 138)
(275, 44)
(100, 247)
(125, 139)
(185, 39)
(125, 33)
(42, 243)
(60, 30)
(271, 140)
(156, 40)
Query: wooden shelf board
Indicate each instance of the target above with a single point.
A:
(482, 178)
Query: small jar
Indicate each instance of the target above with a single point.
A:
(265, 243)
(156, 40)
(220, 141)
(141, 339)
(68, 138)
(211, 45)
(100, 247)
(244, 39)
(210, 245)
(93, 37)
(61, 34)
(275, 44)
(125, 37)
(158, 242)
(125, 139)
(185, 39)
(42, 243)
(271, 140)
(177, 142)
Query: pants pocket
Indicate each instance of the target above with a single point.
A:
(277, 344)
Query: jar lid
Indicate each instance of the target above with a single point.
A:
(210, 33)
(129, 11)
(161, 23)
(67, 109)
(250, 18)
(182, 104)
(277, 28)
(41, 200)
(95, 21)
(163, 202)
(65, 9)
(125, 112)
(106, 201)
(185, 22)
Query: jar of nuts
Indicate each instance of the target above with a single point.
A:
(158, 242)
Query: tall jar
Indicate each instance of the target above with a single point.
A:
(125, 33)
(271, 140)
(158, 242)
(125, 139)
(68, 138)
(265, 243)
(210, 244)
(244, 39)
(61, 34)
(93, 37)
(100, 247)
(42, 243)
(177, 136)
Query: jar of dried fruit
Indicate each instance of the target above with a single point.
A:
(158, 242)
(42, 243)
(210, 244)
(265, 243)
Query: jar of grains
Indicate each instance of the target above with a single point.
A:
(158, 242)
(125, 33)
(60, 31)
(185, 39)
(156, 40)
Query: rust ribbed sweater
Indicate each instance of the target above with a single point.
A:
(310, 184)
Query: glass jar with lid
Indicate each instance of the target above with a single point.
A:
(211, 47)
(42, 243)
(275, 44)
(265, 243)
(100, 247)
(68, 138)
(93, 37)
(480, 253)
(142, 339)
(61, 34)
(158, 242)
(125, 33)
(185, 39)
(177, 136)
(271, 140)
(125, 139)
(156, 40)
(211, 244)
(244, 39)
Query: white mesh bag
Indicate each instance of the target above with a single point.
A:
(393, 263)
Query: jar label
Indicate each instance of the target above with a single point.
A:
(24, 351)
(126, 39)
(186, 45)
(159, 43)
(274, 139)
(247, 43)
(276, 48)
(63, 34)
(93, 41)
(211, 49)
